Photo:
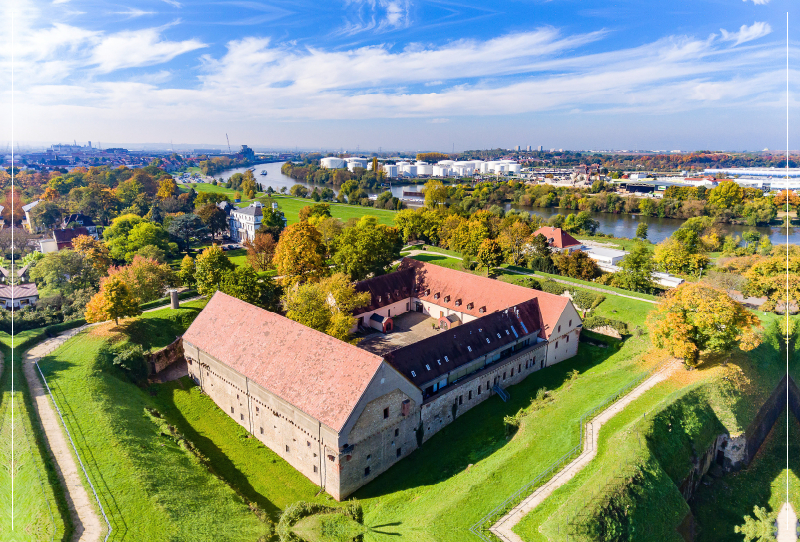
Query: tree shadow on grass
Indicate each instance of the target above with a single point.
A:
(478, 432)
(220, 464)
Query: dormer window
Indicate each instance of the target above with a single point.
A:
(427, 366)
(445, 358)
(470, 306)
(458, 302)
(482, 310)
(379, 299)
(436, 295)
(428, 292)
(447, 299)
(413, 373)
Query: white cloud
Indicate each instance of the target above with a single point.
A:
(173, 3)
(746, 33)
(439, 121)
(138, 48)
(758, 2)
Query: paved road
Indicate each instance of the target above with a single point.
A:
(533, 274)
(503, 528)
(88, 525)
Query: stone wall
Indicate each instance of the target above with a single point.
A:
(161, 359)
(762, 424)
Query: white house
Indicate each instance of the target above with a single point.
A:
(27, 210)
(245, 221)
(18, 296)
(605, 257)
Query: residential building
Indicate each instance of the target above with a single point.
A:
(559, 240)
(18, 296)
(82, 220)
(27, 210)
(245, 221)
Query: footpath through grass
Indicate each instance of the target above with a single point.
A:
(40, 510)
(151, 486)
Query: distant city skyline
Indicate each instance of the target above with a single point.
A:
(401, 75)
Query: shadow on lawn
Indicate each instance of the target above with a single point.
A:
(477, 433)
(219, 463)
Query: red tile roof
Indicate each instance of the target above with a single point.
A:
(475, 292)
(322, 376)
(560, 238)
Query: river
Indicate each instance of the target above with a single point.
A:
(622, 225)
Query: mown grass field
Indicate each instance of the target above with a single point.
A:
(40, 511)
(150, 486)
(291, 206)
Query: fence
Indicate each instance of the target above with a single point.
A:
(481, 528)
(57, 344)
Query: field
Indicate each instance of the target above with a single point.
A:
(40, 511)
(151, 486)
(291, 206)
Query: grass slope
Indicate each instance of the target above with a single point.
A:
(150, 487)
(40, 511)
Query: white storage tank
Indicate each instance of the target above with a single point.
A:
(390, 170)
(331, 162)
(424, 169)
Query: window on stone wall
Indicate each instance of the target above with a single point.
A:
(287, 448)
(512, 373)
(460, 399)
(470, 395)
(556, 344)
(315, 468)
(262, 430)
(399, 452)
(256, 410)
(479, 390)
(385, 413)
(504, 375)
(308, 443)
(241, 417)
(567, 338)
(366, 471)
(231, 410)
(570, 323)
(397, 432)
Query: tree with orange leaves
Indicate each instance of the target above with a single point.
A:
(50, 194)
(695, 318)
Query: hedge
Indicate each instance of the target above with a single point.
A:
(586, 300)
(54, 330)
(594, 321)
(552, 287)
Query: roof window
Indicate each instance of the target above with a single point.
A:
(507, 333)
(436, 295)
(428, 291)
(482, 310)
(447, 299)
(439, 361)
(470, 305)
(445, 358)
(379, 299)
(469, 348)
(427, 366)
(458, 302)
(413, 373)
(487, 339)
(498, 336)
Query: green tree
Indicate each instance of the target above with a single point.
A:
(112, 302)
(490, 254)
(367, 248)
(326, 306)
(116, 235)
(760, 528)
(141, 235)
(66, 271)
(146, 279)
(242, 283)
(641, 230)
(210, 270)
(637, 270)
(46, 215)
(726, 195)
(214, 218)
(514, 240)
(249, 185)
(182, 228)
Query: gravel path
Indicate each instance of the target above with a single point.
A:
(787, 524)
(88, 525)
(503, 528)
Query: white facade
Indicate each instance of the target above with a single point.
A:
(245, 222)
(331, 162)
(605, 256)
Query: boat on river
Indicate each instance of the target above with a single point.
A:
(263, 172)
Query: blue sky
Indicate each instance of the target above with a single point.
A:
(400, 74)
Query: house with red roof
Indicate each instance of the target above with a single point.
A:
(559, 240)
(341, 414)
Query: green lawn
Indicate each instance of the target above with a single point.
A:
(40, 510)
(151, 487)
(291, 206)
(622, 243)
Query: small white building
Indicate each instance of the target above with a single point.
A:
(244, 222)
(605, 257)
(27, 210)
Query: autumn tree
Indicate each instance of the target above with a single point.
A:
(187, 271)
(577, 265)
(641, 230)
(490, 254)
(46, 215)
(329, 230)
(145, 278)
(435, 194)
(260, 250)
(326, 305)
(432, 157)
(771, 277)
(182, 228)
(636, 270)
(167, 188)
(243, 283)
(726, 195)
(114, 301)
(210, 269)
(299, 254)
(514, 239)
(249, 186)
(695, 318)
(93, 250)
(674, 256)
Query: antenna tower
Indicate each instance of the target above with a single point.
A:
(229, 144)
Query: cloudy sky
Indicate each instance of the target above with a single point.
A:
(400, 74)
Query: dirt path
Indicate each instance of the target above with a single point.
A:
(413, 253)
(787, 524)
(503, 528)
(88, 525)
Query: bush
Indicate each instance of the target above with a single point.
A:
(128, 361)
(595, 321)
(467, 263)
(553, 287)
(534, 283)
(586, 300)
(301, 509)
